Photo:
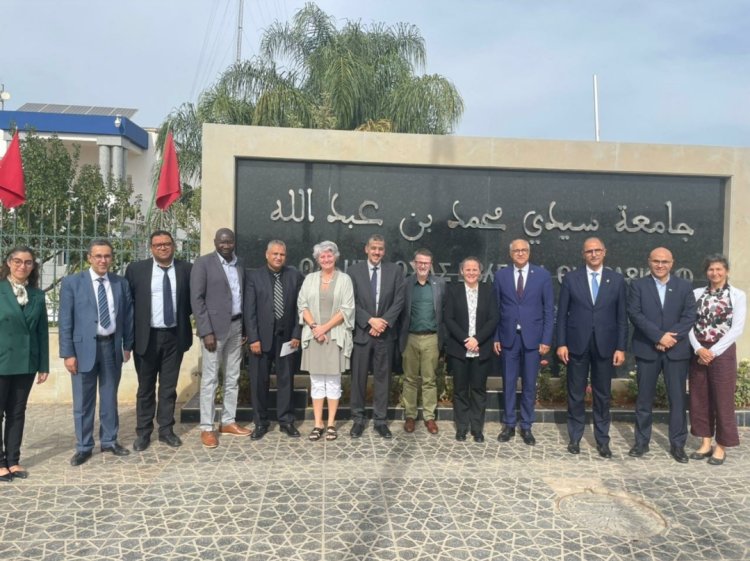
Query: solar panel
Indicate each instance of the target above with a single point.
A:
(78, 109)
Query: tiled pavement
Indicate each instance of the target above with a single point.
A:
(417, 497)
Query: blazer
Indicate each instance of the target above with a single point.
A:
(651, 321)
(391, 299)
(739, 311)
(258, 308)
(139, 275)
(534, 312)
(438, 294)
(24, 333)
(79, 317)
(211, 297)
(578, 318)
(456, 317)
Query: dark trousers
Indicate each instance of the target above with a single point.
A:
(602, 372)
(675, 377)
(14, 394)
(469, 392)
(106, 374)
(161, 362)
(712, 390)
(259, 367)
(378, 354)
(519, 361)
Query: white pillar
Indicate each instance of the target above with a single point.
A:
(105, 162)
(118, 162)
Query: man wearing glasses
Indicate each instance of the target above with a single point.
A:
(663, 311)
(420, 340)
(592, 333)
(524, 333)
(161, 298)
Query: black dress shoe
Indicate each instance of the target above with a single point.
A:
(80, 458)
(506, 434)
(701, 455)
(478, 437)
(714, 461)
(604, 450)
(383, 431)
(357, 430)
(678, 453)
(574, 447)
(461, 435)
(23, 474)
(141, 443)
(116, 449)
(170, 439)
(528, 438)
(6, 477)
(638, 450)
(289, 429)
(259, 432)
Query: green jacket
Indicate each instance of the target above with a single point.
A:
(24, 333)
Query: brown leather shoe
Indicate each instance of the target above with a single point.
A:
(409, 425)
(431, 425)
(234, 429)
(208, 439)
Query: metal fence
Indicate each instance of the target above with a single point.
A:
(61, 240)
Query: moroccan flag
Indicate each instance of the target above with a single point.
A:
(168, 190)
(12, 185)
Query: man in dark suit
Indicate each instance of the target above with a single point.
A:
(379, 298)
(420, 340)
(96, 337)
(270, 314)
(216, 284)
(524, 333)
(161, 298)
(592, 333)
(663, 311)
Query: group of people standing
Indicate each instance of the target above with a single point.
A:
(356, 320)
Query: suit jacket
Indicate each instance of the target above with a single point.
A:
(578, 318)
(456, 317)
(24, 335)
(258, 308)
(651, 321)
(211, 297)
(438, 294)
(391, 299)
(534, 312)
(139, 276)
(79, 317)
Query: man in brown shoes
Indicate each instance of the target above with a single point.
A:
(420, 340)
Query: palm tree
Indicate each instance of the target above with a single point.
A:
(311, 74)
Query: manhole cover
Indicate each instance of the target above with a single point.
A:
(612, 514)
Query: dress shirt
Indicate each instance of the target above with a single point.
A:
(233, 277)
(589, 270)
(110, 303)
(157, 299)
(661, 288)
(370, 267)
(525, 274)
(472, 298)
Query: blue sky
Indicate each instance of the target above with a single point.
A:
(672, 71)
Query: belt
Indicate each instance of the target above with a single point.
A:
(236, 317)
(105, 337)
(422, 332)
(163, 328)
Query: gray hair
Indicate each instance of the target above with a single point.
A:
(275, 242)
(510, 245)
(322, 247)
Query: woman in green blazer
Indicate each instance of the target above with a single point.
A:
(24, 351)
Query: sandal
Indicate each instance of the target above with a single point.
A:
(331, 433)
(316, 433)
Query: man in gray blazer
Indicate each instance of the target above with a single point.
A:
(216, 283)
(379, 298)
(96, 337)
(420, 340)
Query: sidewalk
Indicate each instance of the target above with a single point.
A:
(416, 497)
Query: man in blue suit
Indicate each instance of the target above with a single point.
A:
(96, 337)
(663, 311)
(592, 333)
(524, 334)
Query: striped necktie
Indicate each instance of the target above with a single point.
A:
(278, 296)
(104, 320)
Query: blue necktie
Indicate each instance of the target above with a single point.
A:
(104, 319)
(166, 289)
(594, 285)
(374, 287)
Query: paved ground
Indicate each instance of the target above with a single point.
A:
(417, 497)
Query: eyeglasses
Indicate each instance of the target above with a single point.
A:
(423, 263)
(522, 250)
(165, 245)
(21, 263)
(660, 262)
(596, 251)
(101, 257)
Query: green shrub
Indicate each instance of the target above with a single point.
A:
(742, 394)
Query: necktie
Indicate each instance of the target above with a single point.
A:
(519, 284)
(166, 289)
(278, 296)
(594, 285)
(374, 286)
(104, 319)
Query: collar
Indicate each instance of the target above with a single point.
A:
(223, 261)
(95, 277)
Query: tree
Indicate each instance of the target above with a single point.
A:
(353, 78)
